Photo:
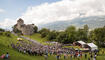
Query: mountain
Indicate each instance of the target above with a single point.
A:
(92, 22)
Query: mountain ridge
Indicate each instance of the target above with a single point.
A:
(92, 22)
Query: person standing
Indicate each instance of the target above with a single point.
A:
(64, 56)
(58, 56)
(71, 57)
(91, 56)
(85, 56)
(88, 58)
(46, 57)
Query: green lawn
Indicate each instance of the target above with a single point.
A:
(15, 55)
(38, 38)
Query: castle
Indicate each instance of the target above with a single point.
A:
(25, 29)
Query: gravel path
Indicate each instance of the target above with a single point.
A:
(31, 40)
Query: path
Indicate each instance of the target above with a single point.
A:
(31, 40)
(34, 41)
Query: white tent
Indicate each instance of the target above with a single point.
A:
(81, 42)
(92, 46)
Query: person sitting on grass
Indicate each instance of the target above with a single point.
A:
(3, 56)
(7, 56)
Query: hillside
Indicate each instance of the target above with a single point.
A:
(14, 54)
(38, 38)
(92, 22)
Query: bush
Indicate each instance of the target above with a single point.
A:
(8, 34)
(1, 33)
(2, 30)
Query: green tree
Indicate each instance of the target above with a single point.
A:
(44, 32)
(86, 28)
(68, 36)
(7, 33)
(35, 29)
(71, 34)
(2, 30)
(62, 38)
(98, 36)
(81, 35)
(52, 35)
(86, 32)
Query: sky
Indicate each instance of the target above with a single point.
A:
(46, 11)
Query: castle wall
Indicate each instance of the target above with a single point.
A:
(26, 29)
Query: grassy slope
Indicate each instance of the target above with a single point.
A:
(15, 55)
(37, 37)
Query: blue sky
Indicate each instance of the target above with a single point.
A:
(15, 8)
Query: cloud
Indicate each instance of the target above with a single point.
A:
(7, 23)
(1, 10)
(63, 10)
(60, 11)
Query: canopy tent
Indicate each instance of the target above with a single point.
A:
(81, 42)
(92, 46)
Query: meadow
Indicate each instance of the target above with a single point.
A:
(15, 55)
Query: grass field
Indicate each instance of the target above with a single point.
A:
(38, 38)
(15, 55)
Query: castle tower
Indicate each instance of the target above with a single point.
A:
(20, 21)
(20, 24)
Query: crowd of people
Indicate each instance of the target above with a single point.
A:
(46, 50)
